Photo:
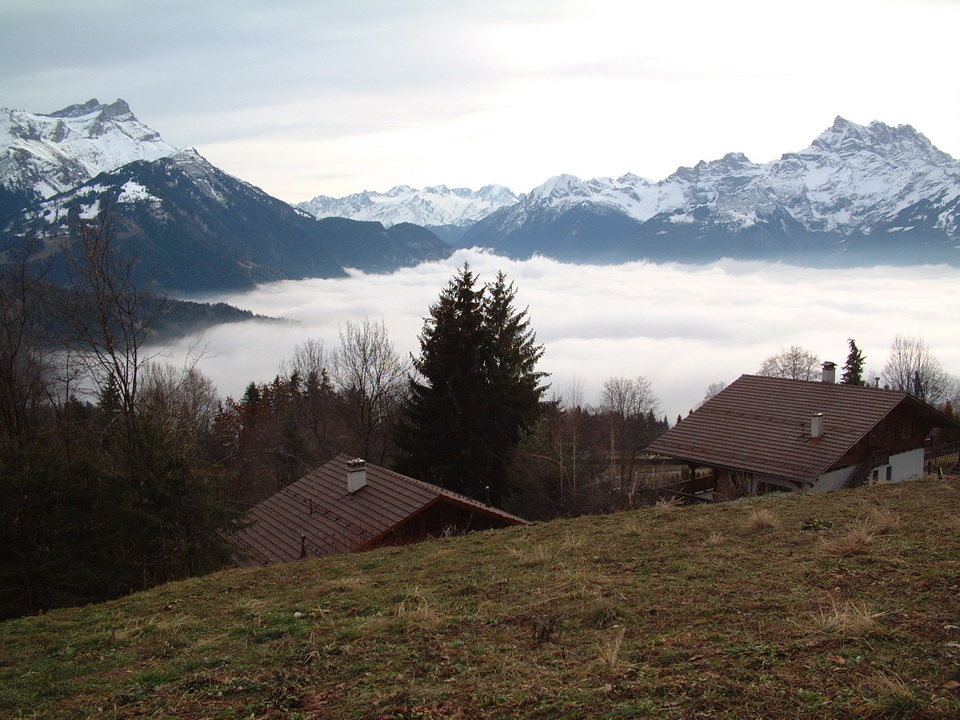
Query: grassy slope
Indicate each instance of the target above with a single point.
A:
(836, 605)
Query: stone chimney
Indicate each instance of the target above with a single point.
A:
(816, 426)
(356, 475)
(829, 375)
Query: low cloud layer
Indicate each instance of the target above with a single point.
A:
(681, 326)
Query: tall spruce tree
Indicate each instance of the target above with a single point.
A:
(853, 367)
(514, 391)
(476, 392)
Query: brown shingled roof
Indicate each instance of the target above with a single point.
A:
(762, 425)
(318, 514)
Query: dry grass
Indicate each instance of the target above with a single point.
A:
(342, 585)
(665, 612)
(715, 538)
(534, 556)
(881, 521)
(761, 519)
(635, 524)
(414, 603)
(846, 621)
(858, 540)
(537, 554)
(610, 650)
(667, 505)
(889, 698)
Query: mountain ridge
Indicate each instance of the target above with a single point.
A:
(850, 183)
(193, 227)
(857, 193)
(433, 206)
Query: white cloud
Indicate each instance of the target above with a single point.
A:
(682, 326)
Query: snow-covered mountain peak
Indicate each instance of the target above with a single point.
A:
(845, 138)
(558, 188)
(45, 154)
(189, 157)
(119, 110)
(633, 180)
(496, 194)
(433, 206)
(854, 176)
(734, 160)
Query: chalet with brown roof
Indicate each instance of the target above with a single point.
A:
(762, 434)
(349, 505)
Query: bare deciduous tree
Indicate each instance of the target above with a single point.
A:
(914, 369)
(110, 316)
(182, 399)
(793, 363)
(631, 404)
(713, 389)
(371, 378)
(309, 359)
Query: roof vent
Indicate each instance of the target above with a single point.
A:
(356, 474)
(829, 374)
(816, 426)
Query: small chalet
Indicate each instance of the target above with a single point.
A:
(349, 505)
(762, 434)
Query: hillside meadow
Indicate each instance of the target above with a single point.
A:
(839, 605)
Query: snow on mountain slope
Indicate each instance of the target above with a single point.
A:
(195, 228)
(43, 155)
(854, 176)
(430, 207)
(851, 178)
(205, 181)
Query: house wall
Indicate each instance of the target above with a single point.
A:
(833, 480)
(902, 466)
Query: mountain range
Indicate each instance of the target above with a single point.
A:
(857, 195)
(447, 212)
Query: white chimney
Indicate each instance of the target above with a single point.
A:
(356, 474)
(829, 375)
(816, 426)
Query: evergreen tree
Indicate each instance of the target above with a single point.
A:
(853, 368)
(476, 392)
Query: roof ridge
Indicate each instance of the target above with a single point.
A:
(429, 487)
(820, 383)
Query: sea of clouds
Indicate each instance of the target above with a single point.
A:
(683, 327)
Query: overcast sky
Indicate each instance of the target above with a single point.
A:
(308, 97)
(681, 326)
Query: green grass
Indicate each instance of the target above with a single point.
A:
(840, 605)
